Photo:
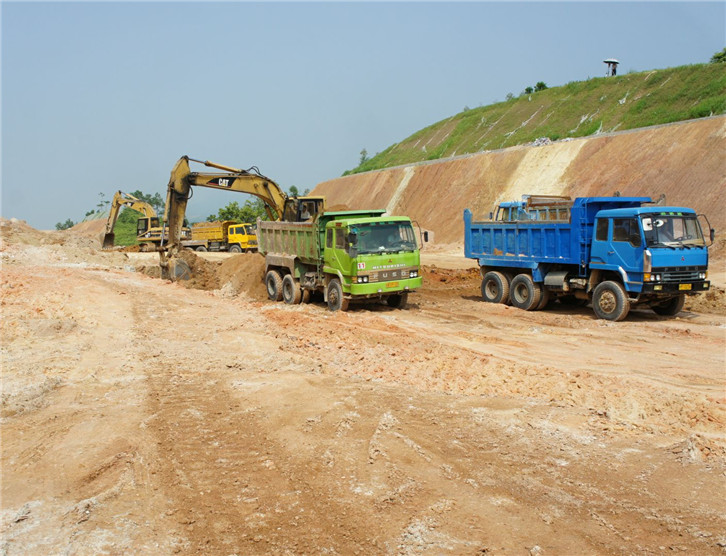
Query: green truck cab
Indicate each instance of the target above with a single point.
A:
(349, 256)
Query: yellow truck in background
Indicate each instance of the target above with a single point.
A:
(222, 236)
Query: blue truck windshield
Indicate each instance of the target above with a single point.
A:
(384, 237)
(668, 230)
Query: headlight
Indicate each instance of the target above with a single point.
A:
(362, 279)
(413, 274)
(702, 275)
(657, 277)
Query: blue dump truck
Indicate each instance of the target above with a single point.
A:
(616, 252)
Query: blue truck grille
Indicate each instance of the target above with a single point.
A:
(679, 274)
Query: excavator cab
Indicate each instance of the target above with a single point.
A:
(143, 225)
(302, 209)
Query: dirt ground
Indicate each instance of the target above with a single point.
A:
(141, 416)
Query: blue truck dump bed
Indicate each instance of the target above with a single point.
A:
(644, 254)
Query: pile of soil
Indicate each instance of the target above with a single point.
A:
(243, 274)
(204, 273)
(713, 301)
(93, 228)
(21, 242)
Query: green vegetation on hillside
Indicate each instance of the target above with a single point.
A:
(125, 228)
(578, 109)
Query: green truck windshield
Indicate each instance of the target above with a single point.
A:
(384, 237)
(672, 230)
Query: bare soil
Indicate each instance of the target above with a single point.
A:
(149, 417)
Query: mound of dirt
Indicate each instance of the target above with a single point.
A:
(93, 228)
(244, 274)
(20, 241)
(713, 301)
(239, 274)
(19, 231)
(204, 273)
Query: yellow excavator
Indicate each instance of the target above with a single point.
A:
(145, 224)
(278, 205)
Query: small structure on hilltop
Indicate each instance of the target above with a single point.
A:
(612, 67)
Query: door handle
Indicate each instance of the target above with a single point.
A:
(611, 252)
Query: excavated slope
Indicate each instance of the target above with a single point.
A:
(684, 161)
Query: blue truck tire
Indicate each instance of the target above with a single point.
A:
(495, 287)
(671, 307)
(610, 301)
(525, 293)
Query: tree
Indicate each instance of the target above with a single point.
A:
(65, 225)
(102, 203)
(540, 86)
(509, 96)
(719, 57)
(249, 212)
(293, 191)
(363, 157)
(154, 200)
(528, 90)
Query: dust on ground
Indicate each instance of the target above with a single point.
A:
(144, 416)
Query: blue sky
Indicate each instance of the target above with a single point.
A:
(103, 96)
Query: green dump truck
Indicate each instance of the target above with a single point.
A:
(348, 256)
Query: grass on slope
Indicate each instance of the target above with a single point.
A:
(578, 109)
(125, 228)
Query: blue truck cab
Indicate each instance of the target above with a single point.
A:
(616, 252)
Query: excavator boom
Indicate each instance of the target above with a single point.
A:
(277, 204)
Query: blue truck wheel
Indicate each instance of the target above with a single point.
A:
(495, 287)
(524, 293)
(671, 307)
(610, 302)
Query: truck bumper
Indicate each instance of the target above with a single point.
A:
(382, 288)
(683, 287)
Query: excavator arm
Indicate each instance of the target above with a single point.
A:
(277, 204)
(121, 199)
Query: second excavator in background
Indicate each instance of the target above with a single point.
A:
(148, 222)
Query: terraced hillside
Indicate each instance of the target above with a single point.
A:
(685, 161)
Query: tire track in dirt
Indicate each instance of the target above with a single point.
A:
(231, 487)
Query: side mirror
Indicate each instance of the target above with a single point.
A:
(713, 235)
(491, 216)
(352, 238)
(426, 236)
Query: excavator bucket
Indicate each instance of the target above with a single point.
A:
(108, 240)
(179, 270)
